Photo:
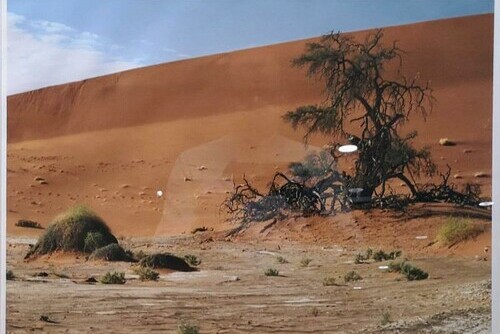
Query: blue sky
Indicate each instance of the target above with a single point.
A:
(55, 41)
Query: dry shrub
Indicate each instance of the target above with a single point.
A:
(457, 230)
(70, 231)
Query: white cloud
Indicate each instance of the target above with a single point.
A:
(43, 53)
(51, 27)
(175, 52)
(169, 50)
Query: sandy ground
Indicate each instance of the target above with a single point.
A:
(230, 293)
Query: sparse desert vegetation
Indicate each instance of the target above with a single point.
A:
(329, 281)
(281, 260)
(305, 262)
(386, 318)
(271, 272)
(146, 274)
(192, 260)
(457, 230)
(113, 278)
(187, 329)
(352, 276)
(383, 256)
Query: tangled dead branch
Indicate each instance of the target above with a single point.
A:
(327, 195)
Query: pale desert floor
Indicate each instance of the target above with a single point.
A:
(231, 294)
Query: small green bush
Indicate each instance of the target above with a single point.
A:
(411, 272)
(305, 262)
(386, 318)
(458, 230)
(10, 275)
(111, 252)
(352, 276)
(165, 261)
(359, 258)
(187, 329)
(383, 256)
(113, 278)
(192, 260)
(271, 272)
(281, 260)
(329, 281)
(369, 253)
(146, 274)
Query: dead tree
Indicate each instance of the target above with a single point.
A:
(358, 92)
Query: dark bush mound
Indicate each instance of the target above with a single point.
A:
(111, 252)
(165, 261)
(77, 230)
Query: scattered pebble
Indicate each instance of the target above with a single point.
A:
(446, 142)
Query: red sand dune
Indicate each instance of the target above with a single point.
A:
(152, 127)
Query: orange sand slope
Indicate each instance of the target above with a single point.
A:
(188, 127)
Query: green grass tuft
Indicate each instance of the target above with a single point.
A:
(146, 274)
(329, 281)
(352, 276)
(113, 278)
(386, 318)
(305, 262)
(188, 329)
(457, 230)
(192, 260)
(281, 260)
(271, 272)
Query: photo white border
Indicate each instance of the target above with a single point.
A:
(3, 164)
(495, 235)
(495, 265)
